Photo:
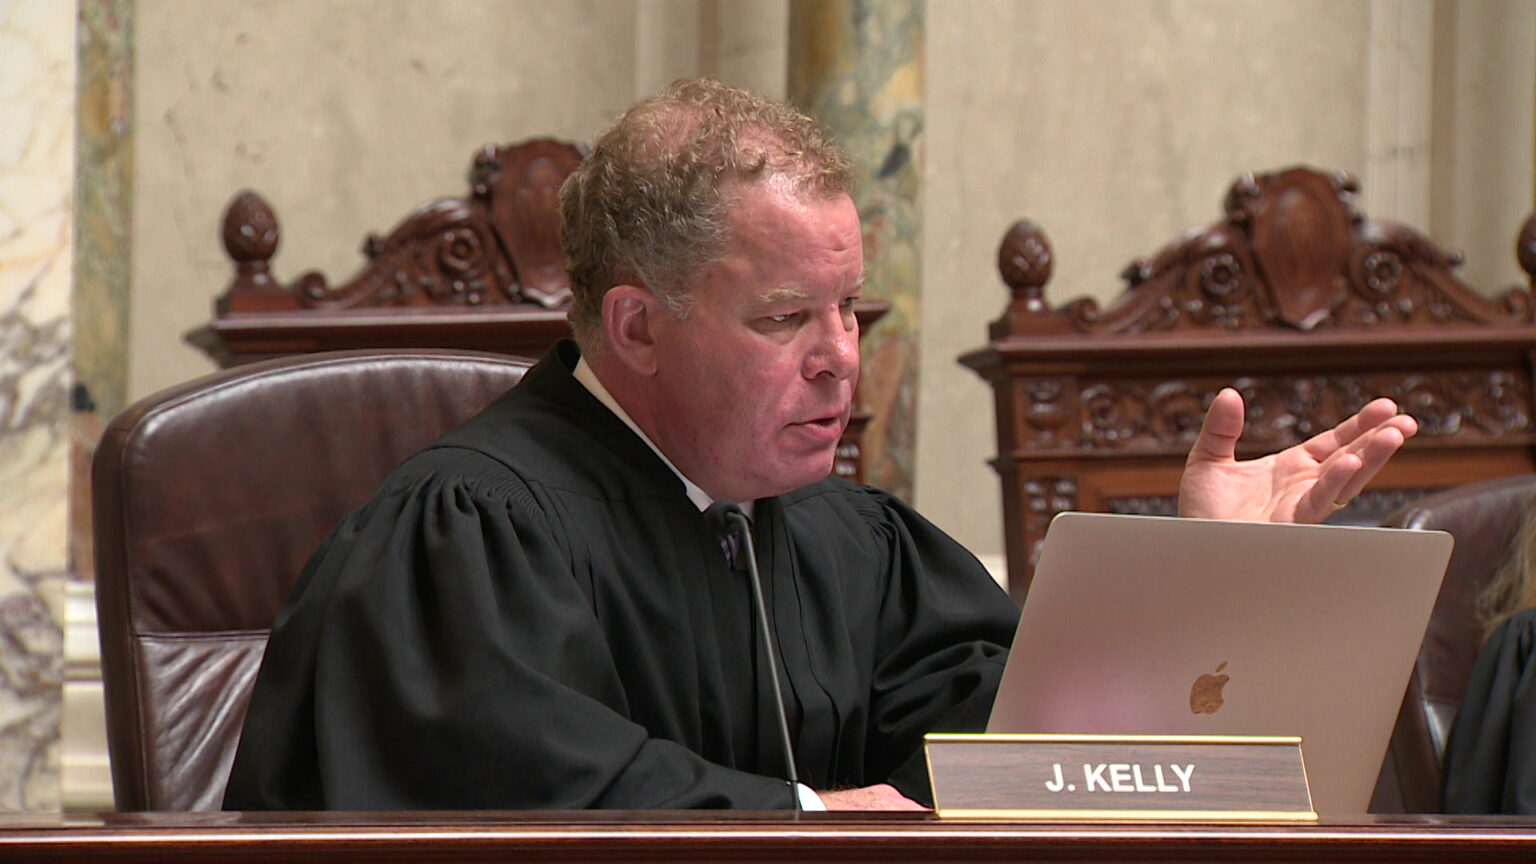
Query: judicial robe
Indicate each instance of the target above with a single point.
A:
(1490, 761)
(531, 613)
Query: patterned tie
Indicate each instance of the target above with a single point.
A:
(725, 532)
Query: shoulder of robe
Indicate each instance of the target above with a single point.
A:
(1517, 635)
(478, 476)
(572, 445)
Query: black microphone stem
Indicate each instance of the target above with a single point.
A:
(750, 552)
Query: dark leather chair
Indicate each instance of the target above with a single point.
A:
(1484, 518)
(209, 497)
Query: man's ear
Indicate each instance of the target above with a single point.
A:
(630, 314)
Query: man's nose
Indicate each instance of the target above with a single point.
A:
(836, 352)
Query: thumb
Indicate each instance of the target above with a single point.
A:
(1222, 427)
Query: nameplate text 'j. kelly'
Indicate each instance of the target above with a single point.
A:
(1119, 777)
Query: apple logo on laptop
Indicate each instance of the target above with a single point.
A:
(1205, 696)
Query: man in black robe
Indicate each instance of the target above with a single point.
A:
(535, 612)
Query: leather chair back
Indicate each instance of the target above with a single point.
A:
(209, 497)
(1485, 519)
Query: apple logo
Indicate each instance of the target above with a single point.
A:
(1205, 696)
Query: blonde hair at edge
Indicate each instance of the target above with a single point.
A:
(1514, 588)
(651, 204)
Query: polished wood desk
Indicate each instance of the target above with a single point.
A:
(704, 836)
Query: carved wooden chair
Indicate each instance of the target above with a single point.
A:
(484, 272)
(1295, 299)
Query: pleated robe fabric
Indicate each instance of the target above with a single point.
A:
(1490, 760)
(531, 613)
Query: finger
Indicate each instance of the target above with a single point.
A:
(1319, 501)
(1375, 413)
(1373, 451)
(1402, 427)
(1219, 432)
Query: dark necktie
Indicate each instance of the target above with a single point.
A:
(725, 532)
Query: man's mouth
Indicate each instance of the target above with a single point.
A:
(829, 426)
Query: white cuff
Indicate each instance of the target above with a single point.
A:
(809, 800)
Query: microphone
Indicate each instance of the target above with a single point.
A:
(725, 516)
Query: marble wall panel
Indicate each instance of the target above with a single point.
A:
(103, 241)
(37, 82)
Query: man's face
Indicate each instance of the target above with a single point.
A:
(755, 384)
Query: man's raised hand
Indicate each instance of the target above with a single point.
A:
(1303, 483)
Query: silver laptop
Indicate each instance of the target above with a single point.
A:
(1155, 625)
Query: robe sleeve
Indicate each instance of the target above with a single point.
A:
(944, 632)
(440, 653)
(1490, 762)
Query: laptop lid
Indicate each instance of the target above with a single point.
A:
(1158, 625)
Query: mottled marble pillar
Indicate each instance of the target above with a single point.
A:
(104, 218)
(37, 102)
(857, 66)
(103, 186)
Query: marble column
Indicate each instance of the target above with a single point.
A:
(857, 66)
(99, 310)
(103, 187)
(37, 100)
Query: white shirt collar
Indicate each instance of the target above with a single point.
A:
(588, 379)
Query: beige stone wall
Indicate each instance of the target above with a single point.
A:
(739, 41)
(1117, 125)
(344, 115)
(1484, 90)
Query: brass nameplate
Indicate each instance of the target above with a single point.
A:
(1109, 777)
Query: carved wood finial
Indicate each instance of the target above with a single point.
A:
(1025, 261)
(250, 231)
(251, 237)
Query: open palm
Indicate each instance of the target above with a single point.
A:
(1303, 483)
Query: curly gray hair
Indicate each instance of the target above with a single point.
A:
(651, 205)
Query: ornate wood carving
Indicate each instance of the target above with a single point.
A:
(1292, 253)
(1296, 299)
(848, 462)
(500, 245)
(1046, 407)
(1044, 497)
(1370, 507)
(1164, 416)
